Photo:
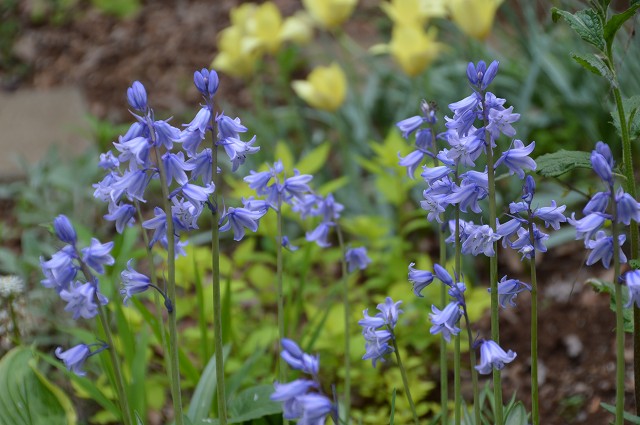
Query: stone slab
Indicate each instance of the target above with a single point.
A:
(31, 121)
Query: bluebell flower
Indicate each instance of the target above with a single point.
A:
(297, 185)
(206, 81)
(431, 174)
(420, 279)
(374, 322)
(136, 149)
(500, 122)
(80, 298)
(123, 214)
(597, 204)
(602, 162)
(320, 234)
(464, 150)
(314, 408)
(108, 161)
(411, 161)
(627, 208)
(481, 76)
(444, 322)
(166, 134)
(517, 158)
(60, 270)
(185, 215)
(64, 230)
(133, 183)
(286, 244)
(253, 204)
(442, 274)
(229, 127)
(528, 189)
(97, 255)
(103, 190)
(507, 229)
(159, 225)
(191, 139)
(456, 292)
(197, 195)
(602, 249)
(508, 290)
(290, 391)
(389, 311)
(523, 243)
(552, 215)
(409, 125)
(468, 104)
(237, 150)
(632, 278)
(467, 195)
(357, 259)
(328, 208)
(480, 240)
(376, 345)
(492, 356)
(74, 358)
(433, 205)
(202, 166)
(259, 181)
(137, 96)
(298, 359)
(133, 283)
(175, 167)
(238, 219)
(588, 225)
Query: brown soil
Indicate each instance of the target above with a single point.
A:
(168, 40)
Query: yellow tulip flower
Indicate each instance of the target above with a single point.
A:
(474, 17)
(325, 88)
(265, 29)
(414, 12)
(330, 14)
(412, 47)
(232, 59)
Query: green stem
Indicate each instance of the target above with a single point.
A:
(535, 410)
(493, 275)
(457, 387)
(154, 279)
(115, 360)
(630, 188)
(215, 277)
(171, 293)
(282, 365)
(474, 372)
(405, 381)
(620, 365)
(347, 322)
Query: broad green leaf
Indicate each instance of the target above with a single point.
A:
(253, 403)
(517, 415)
(314, 160)
(557, 163)
(627, 416)
(586, 23)
(203, 395)
(596, 65)
(27, 396)
(616, 21)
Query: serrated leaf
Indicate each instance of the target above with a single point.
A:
(631, 108)
(596, 65)
(616, 21)
(586, 23)
(558, 163)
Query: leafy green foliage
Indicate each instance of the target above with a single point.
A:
(561, 162)
(632, 113)
(27, 395)
(586, 23)
(596, 65)
(616, 21)
(627, 416)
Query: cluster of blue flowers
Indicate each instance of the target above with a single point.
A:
(303, 399)
(83, 297)
(376, 339)
(148, 147)
(609, 205)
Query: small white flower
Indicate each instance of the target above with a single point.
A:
(11, 286)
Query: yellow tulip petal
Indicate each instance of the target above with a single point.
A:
(330, 13)
(325, 87)
(474, 17)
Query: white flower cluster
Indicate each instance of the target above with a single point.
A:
(11, 286)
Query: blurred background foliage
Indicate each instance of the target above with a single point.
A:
(337, 123)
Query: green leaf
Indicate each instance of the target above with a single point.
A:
(596, 65)
(26, 395)
(284, 154)
(586, 23)
(314, 160)
(631, 107)
(138, 419)
(627, 416)
(517, 415)
(393, 406)
(615, 22)
(203, 395)
(557, 163)
(253, 403)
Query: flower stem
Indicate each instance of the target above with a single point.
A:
(115, 360)
(215, 277)
(493, 273)
(535, 410)
(620, 364)
(14, 322)
(457, 391)
(282, 365)
(405, 381)
(347, 330)
(474, 372)
(171, 293)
